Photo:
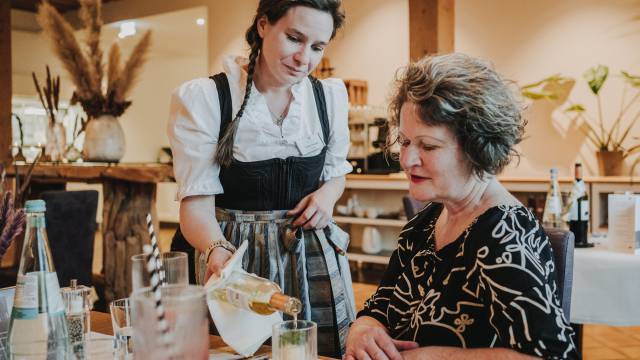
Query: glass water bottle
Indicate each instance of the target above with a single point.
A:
(552, 216)
(38, 323)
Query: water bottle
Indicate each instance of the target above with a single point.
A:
(38, 323)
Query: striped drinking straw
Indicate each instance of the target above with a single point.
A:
(155, 250)
(163, 326)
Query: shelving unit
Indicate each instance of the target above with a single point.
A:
(367, 221)
(385, 192)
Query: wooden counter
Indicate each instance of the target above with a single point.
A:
(129, 191)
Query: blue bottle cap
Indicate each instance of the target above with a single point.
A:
(34, 206)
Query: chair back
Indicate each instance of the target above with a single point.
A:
(562, 244)
(71, 229)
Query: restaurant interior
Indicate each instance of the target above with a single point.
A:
(557, 54)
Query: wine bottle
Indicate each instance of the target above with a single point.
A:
(552, 216)
(253, 293)
(577, 210)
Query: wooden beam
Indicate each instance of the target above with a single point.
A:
(5, 80)
(431, 27)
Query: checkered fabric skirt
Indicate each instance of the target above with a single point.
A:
(310, 265)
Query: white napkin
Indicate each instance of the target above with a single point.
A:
(244, 331)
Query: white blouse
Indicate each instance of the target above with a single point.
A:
(194, 125)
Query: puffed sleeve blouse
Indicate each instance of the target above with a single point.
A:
(194, 125)
(494, 286)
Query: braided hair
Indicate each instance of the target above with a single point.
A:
(273, 10)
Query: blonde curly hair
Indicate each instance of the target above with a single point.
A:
(469, 97)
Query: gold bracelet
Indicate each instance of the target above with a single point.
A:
(223, 243)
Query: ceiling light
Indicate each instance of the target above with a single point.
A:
(200, 21)
(127, 28)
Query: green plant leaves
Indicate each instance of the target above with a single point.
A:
(551, 88)
(596, 77)
(575, 108)
(632, 80)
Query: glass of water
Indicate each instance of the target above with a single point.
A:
(175, 267)
(295, 339)
(122, 326)
(186, 315)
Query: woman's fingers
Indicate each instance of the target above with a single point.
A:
(390, 350)
(403, 345)
(362, 355)
(218, 258)
(375, 352)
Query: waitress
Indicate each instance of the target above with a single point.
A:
(260, 155)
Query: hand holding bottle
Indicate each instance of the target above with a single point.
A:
(218, 258)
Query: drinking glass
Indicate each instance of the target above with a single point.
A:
(122, 326)
(295, 339)
(186, 314)
(175, 266)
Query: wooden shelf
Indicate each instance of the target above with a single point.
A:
(367, 221)
(356, 254)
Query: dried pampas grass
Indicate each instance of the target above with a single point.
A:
(67, 48)
(132, 68)
(91, 15)
(86, 67)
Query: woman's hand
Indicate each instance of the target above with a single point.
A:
(219, 256)
(369, 341)
(313, 211)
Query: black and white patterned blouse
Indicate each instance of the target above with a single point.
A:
(494, 286)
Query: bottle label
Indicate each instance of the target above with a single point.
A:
(238, 299)
(25, 301)
(553, 205)
(55, 305)
(583, 214)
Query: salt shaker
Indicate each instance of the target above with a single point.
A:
(77, 310)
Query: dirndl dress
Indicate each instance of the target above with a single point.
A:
(310, 265)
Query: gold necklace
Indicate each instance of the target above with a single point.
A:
(279, 119)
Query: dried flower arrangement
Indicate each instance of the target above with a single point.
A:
(49, 95)
(86, 67)
(12, 220)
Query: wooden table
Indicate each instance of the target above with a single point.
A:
(129, 191)
(101, 322)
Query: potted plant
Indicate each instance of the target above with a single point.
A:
(102, 101)
(608, 141)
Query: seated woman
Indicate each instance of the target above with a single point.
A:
(473, 276)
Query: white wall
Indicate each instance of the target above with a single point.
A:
(372, 45)
(528, 40)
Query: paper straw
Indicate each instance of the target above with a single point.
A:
(163, 326)
(155, 249)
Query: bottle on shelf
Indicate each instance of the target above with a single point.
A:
(251, 292)
(38, 320)
(576, 211)
(552, 216)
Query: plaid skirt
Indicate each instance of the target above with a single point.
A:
(310, 265)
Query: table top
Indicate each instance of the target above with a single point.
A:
(606, 286)
(101, 323)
